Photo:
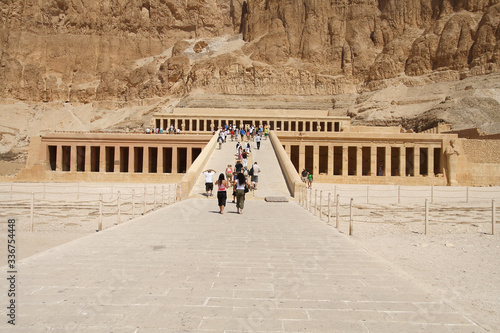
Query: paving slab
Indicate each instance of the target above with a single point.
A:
(186, 268)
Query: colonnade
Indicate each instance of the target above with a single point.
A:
(278, 124)
(120, 158)
(375, 159)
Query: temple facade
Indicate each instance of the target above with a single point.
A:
(324, 144)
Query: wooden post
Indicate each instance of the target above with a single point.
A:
(169, 194)
(162, 195)
(154, 198)
(337, 222)
(351, 222)
(310, 200)
(426, 216)
(493, 216)
(315, 202)
(329, 205)
(144, 202)
(99, 223)
(133, 203)
(119, 207)
(32, 211)
(320, 203)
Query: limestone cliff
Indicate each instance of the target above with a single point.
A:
(87, 51)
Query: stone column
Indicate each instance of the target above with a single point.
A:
(345, 160)
(288, 150)
(330, 159)
(159, 161)
(174, 160)
(59, 158)
(302, 156)
(402, 161)
(72, 162)
(118, 158)
(87, 158)
(373, 161)
(316, 160)
(189, 157)
(416, 161)
(388, 167)
(102, 158)
(430, 161)
(131, 159)
(359, 160)
(145, 159)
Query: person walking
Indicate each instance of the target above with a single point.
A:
(309, 179)
(229, 173)
(257, 139)
(254, 175)
(209, 184)
(239, 186)
(222, 185)
(304, 176)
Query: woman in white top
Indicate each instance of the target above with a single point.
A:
(239, 186)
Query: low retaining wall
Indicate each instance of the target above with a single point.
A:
(292, 178)
(192, 174)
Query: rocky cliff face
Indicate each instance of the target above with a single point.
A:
(132, 50)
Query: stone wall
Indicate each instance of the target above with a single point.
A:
(482, 151)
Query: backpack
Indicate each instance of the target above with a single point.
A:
(250, 173)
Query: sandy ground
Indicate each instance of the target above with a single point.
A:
(458, 258)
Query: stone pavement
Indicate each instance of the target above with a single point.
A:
(271, 180)
(186, 268)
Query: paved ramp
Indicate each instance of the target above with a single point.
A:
(271, 180)
(186, 268)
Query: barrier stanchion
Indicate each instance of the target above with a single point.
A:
(432, 194)
(154, 198)
(368, 194)
(310, 199)
(493, 216)
(399, 194)
(351, 222)
(32, 211)
(329, 204)
(315, 202)
(162, 195)
(335, 192)
(133, 203)
(99, 223)
(118, 203)
(169, 193)
(144, 202)
(426, 216)
(320, 203)
(467, 194)
(337, 216)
